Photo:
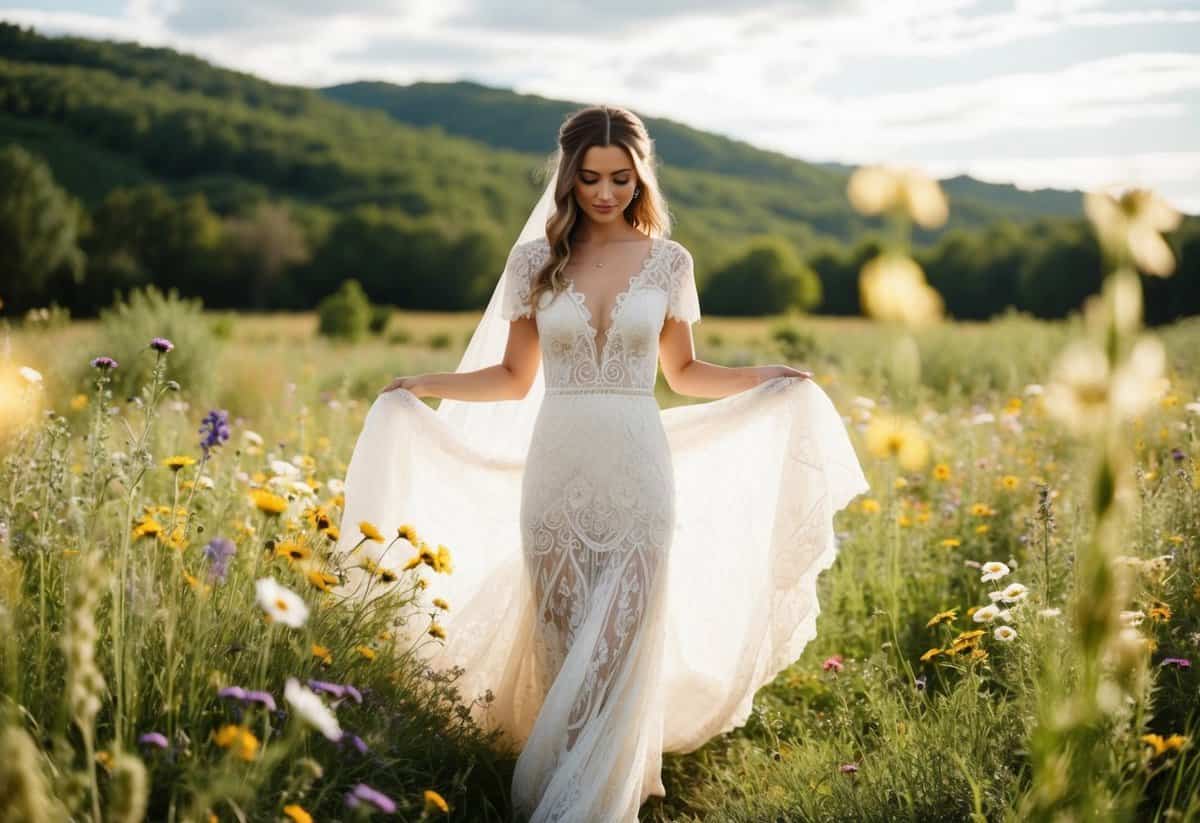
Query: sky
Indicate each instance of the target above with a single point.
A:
(1081, 94)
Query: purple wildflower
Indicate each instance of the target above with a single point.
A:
(338, 690)
(214, 429)
(1177, 455)
(1177, 662)
(161, 344)
(103, 363)
(353, 740)
(848, 768)
(362, 793)
(247, 696)
(156, 739)
(261, 697)
(833, 663)
(219, 551)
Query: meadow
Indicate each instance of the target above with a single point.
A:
(146, 672)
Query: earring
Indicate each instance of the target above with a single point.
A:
(636, 192)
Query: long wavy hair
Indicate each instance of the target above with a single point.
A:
(584, 128)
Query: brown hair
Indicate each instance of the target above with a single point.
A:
(598, 126)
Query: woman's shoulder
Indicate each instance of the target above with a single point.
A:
(677, 252)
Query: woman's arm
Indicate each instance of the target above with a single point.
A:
(698, 378)
(508, 380)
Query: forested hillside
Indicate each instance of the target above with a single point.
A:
(253, 194)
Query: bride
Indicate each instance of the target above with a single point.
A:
(625, 577)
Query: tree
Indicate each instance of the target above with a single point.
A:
(765, 277)
(39, 229)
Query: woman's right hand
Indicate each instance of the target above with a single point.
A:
(413, 384)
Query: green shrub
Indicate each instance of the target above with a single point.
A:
(128, 326)
(793, 341)
(380, 315)
(438, 340)
(400, 337)
(345, 314)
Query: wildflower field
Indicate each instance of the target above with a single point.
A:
(1008, 632)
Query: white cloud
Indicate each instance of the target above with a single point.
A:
(796, 77)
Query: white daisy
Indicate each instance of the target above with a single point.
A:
(993, 570)
(281, 603)
(252, 437)
(1004, 633)
(986, 614)
(1015, 592)
(335, 485)
(283, 468)
(1034, 389)
(1052, 611)
(32, 376)
(312, 709)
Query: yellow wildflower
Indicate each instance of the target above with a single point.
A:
(942, 617)
(941, 472)
(441, 604)
(407, 532)
(1175, 742)
(437, 631)
(231, 735)
(870, 505)
(297, 813)
(982, 528)
(368, 530)
(929, 655)
(322, 653)
(292, 550)
(79, 402)
(178, 462)
(147, 526)
(365, 651)
(1010, 481)
(322, 580)
(434, 802)
(949, 542)
(982, 510)
(268, 502)
(1159, 612)
(444, 563)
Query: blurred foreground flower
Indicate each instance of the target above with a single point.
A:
(877, 189)
(899, 439)
(1132, 224)
(893, 287)
(280, 603)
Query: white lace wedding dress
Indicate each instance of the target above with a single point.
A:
(625, 586)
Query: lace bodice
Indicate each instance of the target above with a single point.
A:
(573, 358)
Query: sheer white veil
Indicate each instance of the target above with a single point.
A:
(501, 429)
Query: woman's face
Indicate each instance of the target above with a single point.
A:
(606, 178)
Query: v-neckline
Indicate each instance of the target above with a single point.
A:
(578, 297)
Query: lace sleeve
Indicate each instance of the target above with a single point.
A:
(684, 303)
(515, 302)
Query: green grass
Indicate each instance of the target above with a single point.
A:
(947, 739)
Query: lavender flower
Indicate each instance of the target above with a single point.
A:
(848, 768)
(353, 740)
(161, 344)
(155, 739)
(338, 690)
(1177, 455)
(214, 429)
(1177, 662)
(362, 793)
(103, 363)
(219, 551)
(248, 696)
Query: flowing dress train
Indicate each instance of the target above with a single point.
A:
(626, 585)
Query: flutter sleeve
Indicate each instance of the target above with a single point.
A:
(683, 303)
(515, 301)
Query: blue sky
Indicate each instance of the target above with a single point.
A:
(1065, 93)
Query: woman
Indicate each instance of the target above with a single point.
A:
(626, 577)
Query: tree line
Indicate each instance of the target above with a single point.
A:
(276, 255)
